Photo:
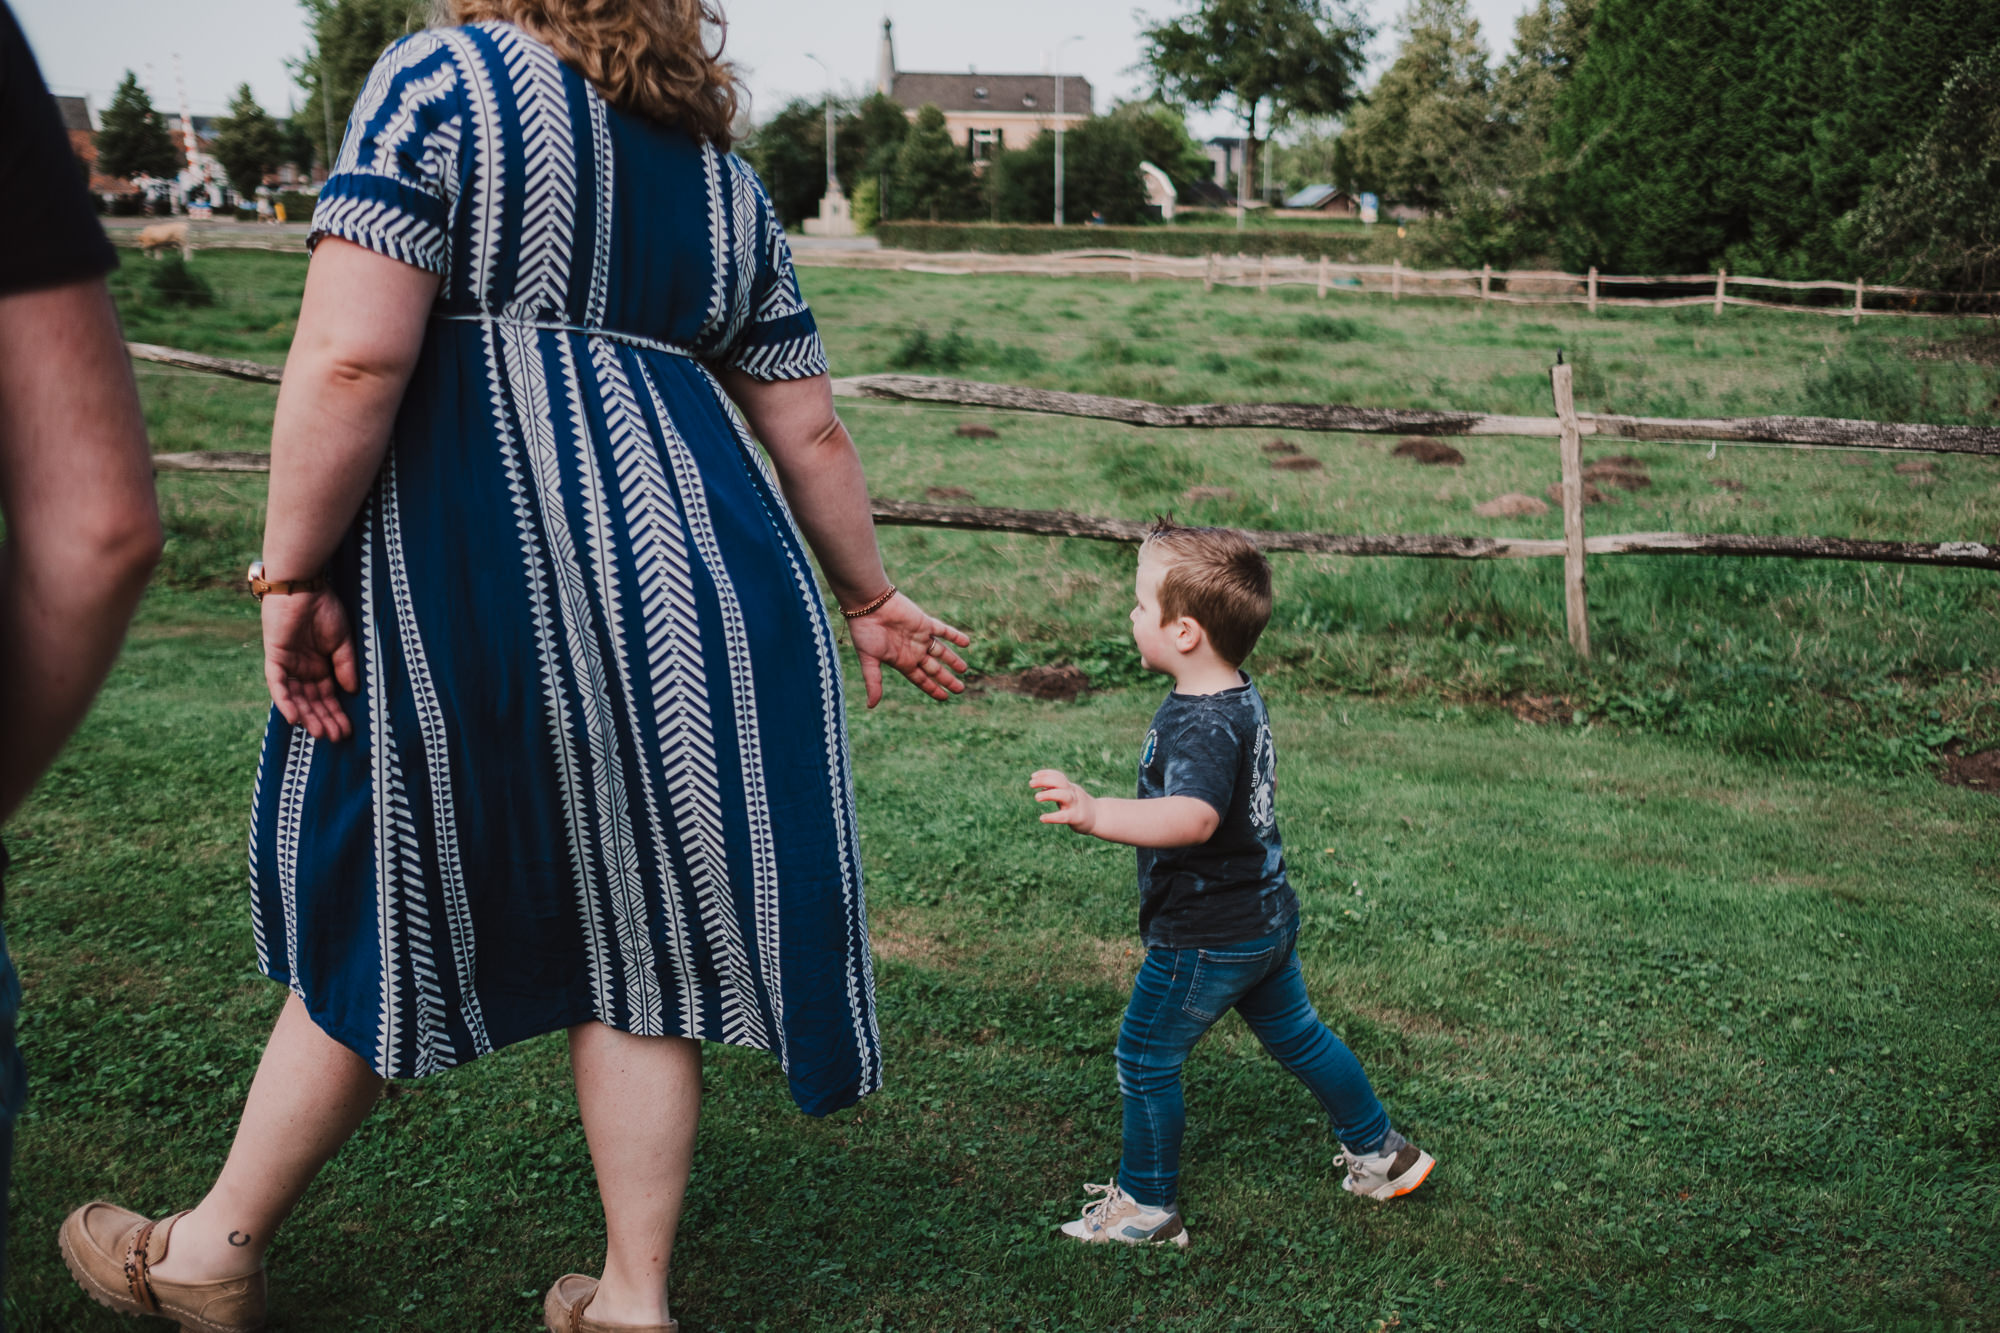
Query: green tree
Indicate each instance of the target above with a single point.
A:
(1280, 60)
(132, 139)
(248, 143)
(347, 37)
(1320, 156)
(1937, 223)
(932, 177)
(1101, 159)
(1160, 133)
(301, 144)
(1429, 125)
(1702, 132)
(789, 150)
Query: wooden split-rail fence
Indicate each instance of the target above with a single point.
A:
(1502, 286)
(1568, 427)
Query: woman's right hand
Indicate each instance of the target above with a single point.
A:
(309, 659)
(914, 642)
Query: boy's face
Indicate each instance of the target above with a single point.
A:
(1156, 642)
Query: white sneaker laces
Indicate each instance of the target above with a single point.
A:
(1095, 1214)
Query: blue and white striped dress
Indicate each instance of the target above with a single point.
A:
(600, 767)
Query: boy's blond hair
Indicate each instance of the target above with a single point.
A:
(1217, 578)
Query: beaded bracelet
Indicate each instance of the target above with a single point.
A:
(875, 603)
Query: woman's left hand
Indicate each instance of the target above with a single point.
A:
(914, 642)
(309, 660)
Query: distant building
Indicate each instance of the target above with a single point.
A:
(988, 113)
(1324, 199)
(82, 129)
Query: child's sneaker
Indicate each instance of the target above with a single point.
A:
(1120, 1217)
(1395, 1169)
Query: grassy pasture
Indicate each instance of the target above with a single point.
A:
(1691, 995)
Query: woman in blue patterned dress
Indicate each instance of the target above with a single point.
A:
(558, 738)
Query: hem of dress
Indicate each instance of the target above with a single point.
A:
(821, 1106)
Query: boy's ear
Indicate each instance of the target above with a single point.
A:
(1188, 634)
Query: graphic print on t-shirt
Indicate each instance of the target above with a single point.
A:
(1264, 795)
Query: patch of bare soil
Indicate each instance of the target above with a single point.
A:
(1980, 771)
(1730, 484)
(1980, 349)
(1540, 709)
(1511, 505)
(1299, 463)
(1429, 452)
(1914, 467)
(943, 494)
(1591, 495)
(1281, 447)
(1617, 478)
(1625, 462)
(972, 430)
(1196, 494)
(1058, 684)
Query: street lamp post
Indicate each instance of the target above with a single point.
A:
(832, 176)
(1059, 124)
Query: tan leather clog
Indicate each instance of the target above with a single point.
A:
(111, 1252)
(562, 1310)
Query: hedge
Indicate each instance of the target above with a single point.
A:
(1021, 239)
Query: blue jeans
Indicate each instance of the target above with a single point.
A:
(1177, 996)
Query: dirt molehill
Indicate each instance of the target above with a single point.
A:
(1059, 684)
(1730, 484)
(1591, 495)
(1300, 463)
(972, 430)
(1431, 453)
(1196, 494)
(1511, 505)
(1981, 771)
(945, 494)
(1281, 447)
(1607, 472)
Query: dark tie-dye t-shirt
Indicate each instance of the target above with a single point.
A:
(1216, 748)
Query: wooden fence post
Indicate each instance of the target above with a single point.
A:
(1208, 272)
(1591, 289)
(1395, 280)
(1264, 275)
(1721, 279)
(1857, 300)
(1135, 266)
(1570, 444)
(1485, 282)
(1322, 277)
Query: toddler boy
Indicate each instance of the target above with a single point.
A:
(1218, 917)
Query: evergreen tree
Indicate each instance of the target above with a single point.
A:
(1281, 59)
(1747, 133)
(932, 178)
(1937, 223)
(1429, 125)
(132, 139)
(248, 143)
(347, 36)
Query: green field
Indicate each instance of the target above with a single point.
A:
(1689, 989)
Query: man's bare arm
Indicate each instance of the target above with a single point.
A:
(83, 528)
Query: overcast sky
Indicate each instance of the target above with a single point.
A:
(85, 46)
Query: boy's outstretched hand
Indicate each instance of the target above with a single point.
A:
(1073, 805)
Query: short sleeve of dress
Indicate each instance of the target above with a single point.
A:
(394, 185)
(778, 340)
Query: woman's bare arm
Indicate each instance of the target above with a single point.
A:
(821, 475)
(361, 329)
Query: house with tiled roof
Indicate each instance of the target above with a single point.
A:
(988, 113)
(81, 127)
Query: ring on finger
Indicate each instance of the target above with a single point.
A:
(937, 646)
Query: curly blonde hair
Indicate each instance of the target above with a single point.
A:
(649, 57)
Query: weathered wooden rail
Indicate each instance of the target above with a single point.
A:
(1568, 427)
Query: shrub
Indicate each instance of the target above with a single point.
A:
(1024, 239)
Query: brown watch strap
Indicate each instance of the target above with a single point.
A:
(261, 587)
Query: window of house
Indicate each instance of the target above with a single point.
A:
(1027, 99)
(979, 93)
(985, 144)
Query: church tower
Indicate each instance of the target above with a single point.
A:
(885, 62)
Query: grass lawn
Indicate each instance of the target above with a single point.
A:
(1690, 994)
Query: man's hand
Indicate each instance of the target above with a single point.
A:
(1073, 805)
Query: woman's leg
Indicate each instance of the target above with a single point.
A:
(1280, 1013)
(309, 1095)
(641, 1101)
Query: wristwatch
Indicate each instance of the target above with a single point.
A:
(260, 586)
